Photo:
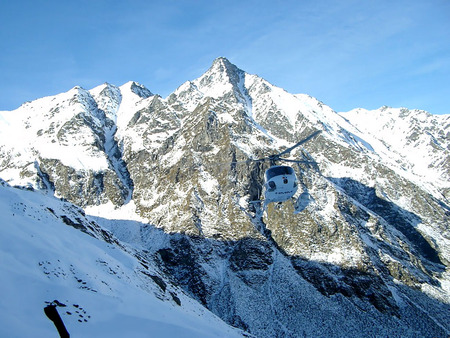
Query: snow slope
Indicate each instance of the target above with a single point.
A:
(36, 128)
(43, 259)
(413, 141)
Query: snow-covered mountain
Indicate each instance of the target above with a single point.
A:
(364, 248)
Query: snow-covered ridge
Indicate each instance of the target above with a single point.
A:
(37, 128)
(404, 139)
(413, 140)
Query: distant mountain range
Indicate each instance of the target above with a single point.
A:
(363, 249)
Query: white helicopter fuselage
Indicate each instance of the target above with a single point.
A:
(280, 184)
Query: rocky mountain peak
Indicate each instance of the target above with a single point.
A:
(140, 90)
(132, 88)
(223, 80)
(108, 98)
(223, 65)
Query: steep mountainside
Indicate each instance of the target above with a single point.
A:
(363, 248)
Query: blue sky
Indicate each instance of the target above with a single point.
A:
(346, 53)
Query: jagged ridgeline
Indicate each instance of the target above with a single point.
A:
(366, 239)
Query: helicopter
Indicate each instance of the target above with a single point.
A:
(280, 181)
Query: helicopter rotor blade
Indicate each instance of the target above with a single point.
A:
(298, 161)
(274, 158)
(288, 150)
(243, 161)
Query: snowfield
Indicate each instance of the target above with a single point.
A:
(42, 259)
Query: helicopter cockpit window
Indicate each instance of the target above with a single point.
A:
(281, 170)
(272, 186)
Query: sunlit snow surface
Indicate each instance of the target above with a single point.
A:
(42, 260)
(402, 138)
(32, 129)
